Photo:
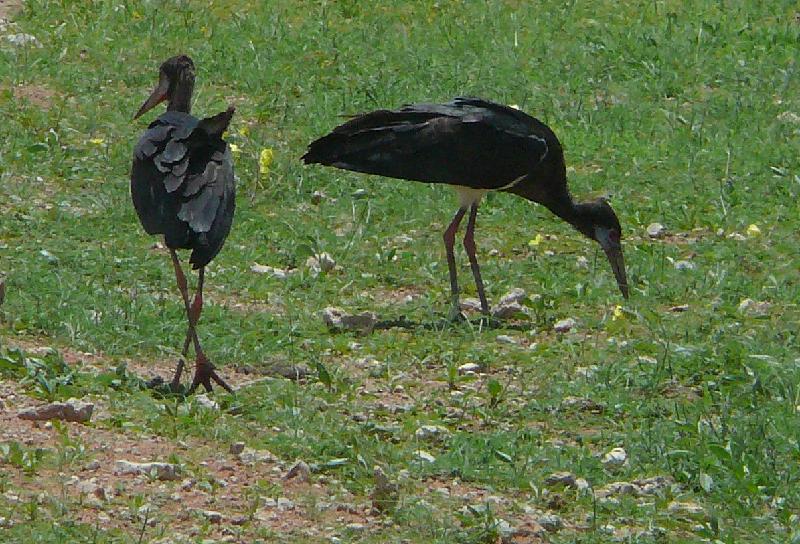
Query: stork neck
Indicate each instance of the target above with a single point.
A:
(576, 214)
(181, 97)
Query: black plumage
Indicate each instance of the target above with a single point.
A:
(183, 187)
(182, 183)
(477, 146)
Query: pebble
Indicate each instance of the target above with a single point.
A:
(72, 410)
(515, 295)
(551, 523)
(656, 230)
(467, 368)
(470, 304)
(250, 455)
(567, 479)
(432, 433)
(684, 265)
(506, 339)
(21, 40)
(204, 401)
(564, 325)
(213, 516)
(688, 508)
(507, 310)
(679, 308)
(321, 263)
(163, 471)
(300, 471)
(338, 319)
(236, 448)
(422, 455)
(615, 458)
(317, 197)
(269, 270)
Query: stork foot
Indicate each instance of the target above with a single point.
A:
(204, 374)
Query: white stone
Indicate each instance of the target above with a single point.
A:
(469, 367)
(565, 325)
(432, 432)
(615, 458)
(656, 230)
(422, 455)
(336, 318)
(162, 471)
(72, 410)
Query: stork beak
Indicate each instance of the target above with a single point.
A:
(158, 95)
(613, 249)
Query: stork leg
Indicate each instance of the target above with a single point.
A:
(449, 244)
(469, 246)
(204, 370)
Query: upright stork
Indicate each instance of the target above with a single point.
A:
(476, 146)
(182, 186)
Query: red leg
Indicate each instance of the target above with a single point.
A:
(449, 243)
(469, 246)
(204, 370)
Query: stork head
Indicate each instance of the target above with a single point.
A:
(597, 220)
(175, 85)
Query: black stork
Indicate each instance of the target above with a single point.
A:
(476, 146)
(182, 185)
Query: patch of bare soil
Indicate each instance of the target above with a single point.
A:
(38, 95)
(8, 8)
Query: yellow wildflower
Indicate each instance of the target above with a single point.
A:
(97, 141)
(536, 240)
(618, 314)
(265, 160)
(753, 230)
(244, 131)
(235, 149)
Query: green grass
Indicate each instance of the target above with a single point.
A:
(681, 112)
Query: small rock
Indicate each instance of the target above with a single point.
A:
(337, 319)
(72, 410)
(432, 433)
(749, 306)
(213, 516)
(269, 270)
(321, 263)
(236, 448)
(684, 265)
(507, 310)
(469, 368)
(565, 325)
(359, 194)
(615, 489)
(656, 230)
(21, 40)
(206, 402)
(582, 262)
(551, 523)
(422, 455)
(567, 479)
(687, 508)
(515, 295)
(615, 458)
(250, 455)
(317, 197)
(506, 339)
(300, 471)
(679, 308)
(355, 527)
(283, 504)
(92, 465)
(470, 305)
(581, 484)
(162, 471)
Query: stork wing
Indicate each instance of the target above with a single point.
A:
(461, 143)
